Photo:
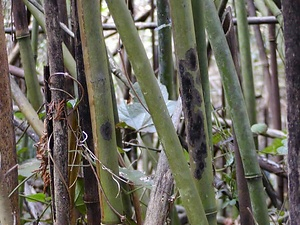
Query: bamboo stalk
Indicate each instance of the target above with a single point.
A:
(274, 89)
(238, 112)
(263, 58)
(158, 110)
(246, 61)
(243, 192)
(275, 100)
(165, 54)
(101, 109)
(91, 193)
(67, 57)
(278, 14)
(198, 15)
(261, 48)
(23, 37)
(34, 38)
(9, 209)
(190, 35)
(26, 108)
(275, 11)
(56, 82)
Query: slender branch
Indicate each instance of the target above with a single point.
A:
(153, 25)
(272, 167)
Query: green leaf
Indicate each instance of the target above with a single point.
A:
(135, 114)
(259, 128)
(22, 150)
(283, 150)
(19, 115)
(72, 103)
(272, 149)
(137, 177)
(42, 114)
(186, 155)
(229, 159)
(79, 191)
(38, 197)
(123, 150)
(221, 136)
(137, 95)
(123, 125)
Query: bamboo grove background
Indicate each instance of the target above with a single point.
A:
(149, 112)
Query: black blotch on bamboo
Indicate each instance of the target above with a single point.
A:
(191, 100)
(106, 131)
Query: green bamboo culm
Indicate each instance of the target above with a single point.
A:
(33, 87)
(198, 15)
(69, 61)
(275, 11)
(279, 36)
(238, 112)
(165, 53)
(101, 109)
(158, 110)
(208, 198)
(246, 63)
(266, 6)
(34, 38)
(22, 35)
(26, 108)
(192, 98)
